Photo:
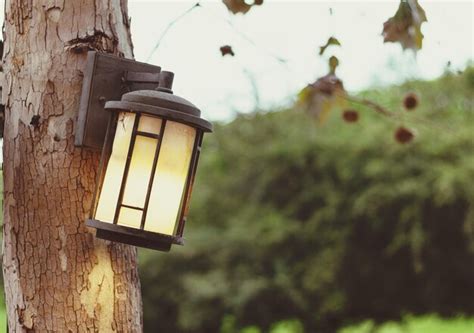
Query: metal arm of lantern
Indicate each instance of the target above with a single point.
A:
(141, 96)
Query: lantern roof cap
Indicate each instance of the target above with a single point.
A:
(162, 103)
(162, 99)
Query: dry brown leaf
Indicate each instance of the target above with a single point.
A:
(405, 26)
(240, 6)
(320, 97)
(227, 50)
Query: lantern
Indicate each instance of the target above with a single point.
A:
(149, 158)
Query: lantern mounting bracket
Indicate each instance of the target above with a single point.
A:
(107, 77)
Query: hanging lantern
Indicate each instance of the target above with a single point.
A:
(148, 164)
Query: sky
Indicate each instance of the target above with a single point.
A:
(293, 31)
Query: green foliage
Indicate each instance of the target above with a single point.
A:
(410, 324)
(229, 325)
(287, 326)
(3, 314)
(326, 224)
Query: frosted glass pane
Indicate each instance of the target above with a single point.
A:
(170, 177)
(113, 176)
(140, 171)
(130, 217)
(149, 124)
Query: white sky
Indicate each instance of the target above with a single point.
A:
(292, 30)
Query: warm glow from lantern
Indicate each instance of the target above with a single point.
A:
(138, 179)
(169, 177)
(113, 177)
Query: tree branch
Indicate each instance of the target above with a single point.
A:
(169, 26)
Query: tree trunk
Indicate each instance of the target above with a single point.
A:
(58, 277)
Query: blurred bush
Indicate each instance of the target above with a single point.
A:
(322, 226)
(410, 324)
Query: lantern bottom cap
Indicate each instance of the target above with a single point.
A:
(133, 236)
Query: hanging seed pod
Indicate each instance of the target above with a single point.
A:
(350, 116)
(403, 135)
(410, 101)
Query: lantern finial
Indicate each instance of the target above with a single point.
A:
(166, 82)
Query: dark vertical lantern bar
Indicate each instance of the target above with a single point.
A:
(152, 175)
(189, 184)
(127, 167)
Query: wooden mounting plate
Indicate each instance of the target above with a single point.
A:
(105, 80)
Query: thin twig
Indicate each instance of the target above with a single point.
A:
(377, 107)
(169, 26)
(255, 90)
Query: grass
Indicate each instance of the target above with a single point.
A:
(3, 318)
(412, 324)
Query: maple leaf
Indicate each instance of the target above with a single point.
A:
(331, 41)
(405, 26)
(321, 96)
(227, 50)
(240, 6)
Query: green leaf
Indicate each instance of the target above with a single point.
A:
(331, 41)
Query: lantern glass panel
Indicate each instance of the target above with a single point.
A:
(110, 190)
(174, 146)
(170, 178)
(149, 124)
(140, 171)
(130, 217)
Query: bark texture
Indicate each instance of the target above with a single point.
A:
(58, 277)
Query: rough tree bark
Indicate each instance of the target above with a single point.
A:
(58, 278)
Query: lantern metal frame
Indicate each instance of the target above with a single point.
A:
(112, 85)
